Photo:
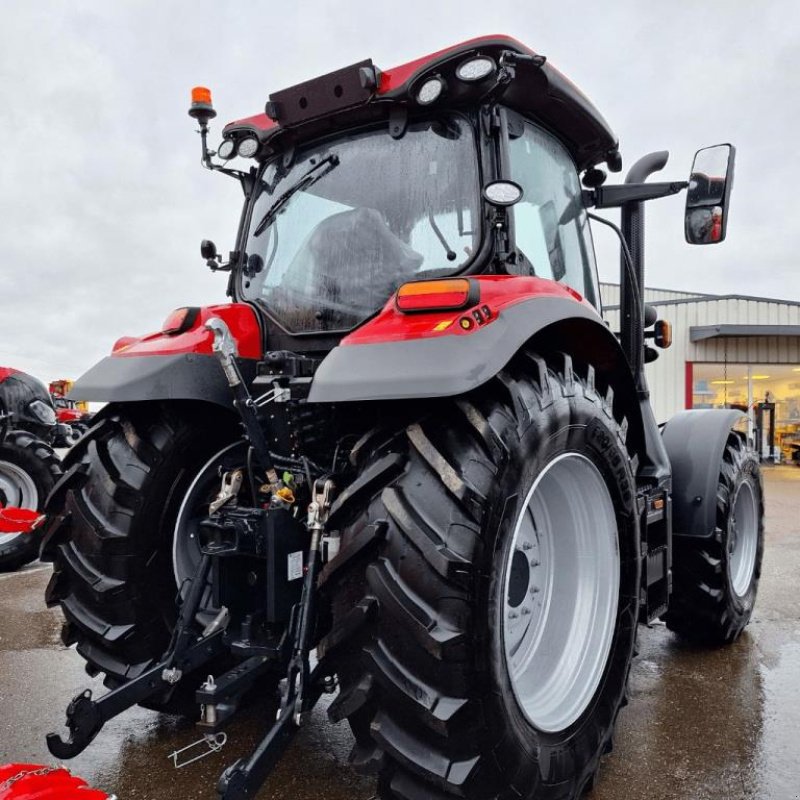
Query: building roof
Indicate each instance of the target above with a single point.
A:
(689, 297)
(698, 333)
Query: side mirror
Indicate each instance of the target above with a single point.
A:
(208, 250)
(709, 192)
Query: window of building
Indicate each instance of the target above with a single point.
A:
(768, 393)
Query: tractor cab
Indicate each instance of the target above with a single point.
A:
(462, 163)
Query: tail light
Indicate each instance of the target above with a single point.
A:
(439, 295)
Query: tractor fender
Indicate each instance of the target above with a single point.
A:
(695, 443)
(183, 376)
(176, 365)
(420, 360)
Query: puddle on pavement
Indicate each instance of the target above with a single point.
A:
(704, 724)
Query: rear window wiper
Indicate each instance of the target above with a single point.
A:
(312, 176)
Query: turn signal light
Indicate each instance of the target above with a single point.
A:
(439, 295)
(180, 320)
(662, 334)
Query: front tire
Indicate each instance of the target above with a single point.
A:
(429, 591)
(715, 578)
(28, 471)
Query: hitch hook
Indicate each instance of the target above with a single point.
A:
(84, 722)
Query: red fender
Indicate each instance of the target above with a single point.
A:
(35, 782)
(196, 338)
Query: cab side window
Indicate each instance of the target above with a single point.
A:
(550, 223)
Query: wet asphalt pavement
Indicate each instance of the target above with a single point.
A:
(701, 725)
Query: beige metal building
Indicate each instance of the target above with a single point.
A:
(728, 351)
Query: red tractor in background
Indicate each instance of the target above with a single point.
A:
(73, 415)
(28, 466)
(409, 459)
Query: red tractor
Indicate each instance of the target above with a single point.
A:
(408, 460)
(28, 466)
(73, 416)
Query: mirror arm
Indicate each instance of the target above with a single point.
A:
(632, 299)
(615, 196)
(218, 265)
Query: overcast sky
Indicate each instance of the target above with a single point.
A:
(104, 202)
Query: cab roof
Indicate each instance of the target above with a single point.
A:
(538, 91)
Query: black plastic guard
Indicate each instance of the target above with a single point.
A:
(442, 366)
(183, 376)
(695, 442)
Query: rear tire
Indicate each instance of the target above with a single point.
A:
(28, 471)
(426, 580)
(111, 532)
(715, 579)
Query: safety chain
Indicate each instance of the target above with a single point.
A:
(9, 782)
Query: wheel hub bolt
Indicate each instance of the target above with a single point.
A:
(512, 615)
(527, 546)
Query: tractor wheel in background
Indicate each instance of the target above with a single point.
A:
(485, 598)
(715, 579)
(28, 471)
(75, 433)
(113, 532)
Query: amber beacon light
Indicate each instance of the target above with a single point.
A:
(202, 108)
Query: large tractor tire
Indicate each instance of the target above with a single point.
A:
(485, 598)
(715, 579)
(28, 471)
(115, 537)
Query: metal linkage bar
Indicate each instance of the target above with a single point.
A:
(300, 689)
(86, 717)
(224, 347)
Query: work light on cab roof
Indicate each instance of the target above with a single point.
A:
(478, 71)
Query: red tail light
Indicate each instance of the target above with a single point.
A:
(446, 294)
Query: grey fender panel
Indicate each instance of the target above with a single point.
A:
(442, 366)
(183, 376)
(695, 442)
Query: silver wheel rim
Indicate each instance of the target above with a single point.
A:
(743, 539)
(18, 489)
(561, 593)
(185, 545)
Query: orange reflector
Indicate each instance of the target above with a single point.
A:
(201, 95)
(180, 320)
(663, 334)
(437, 295)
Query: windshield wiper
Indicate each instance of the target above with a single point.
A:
(312, 176)
(451, 255)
